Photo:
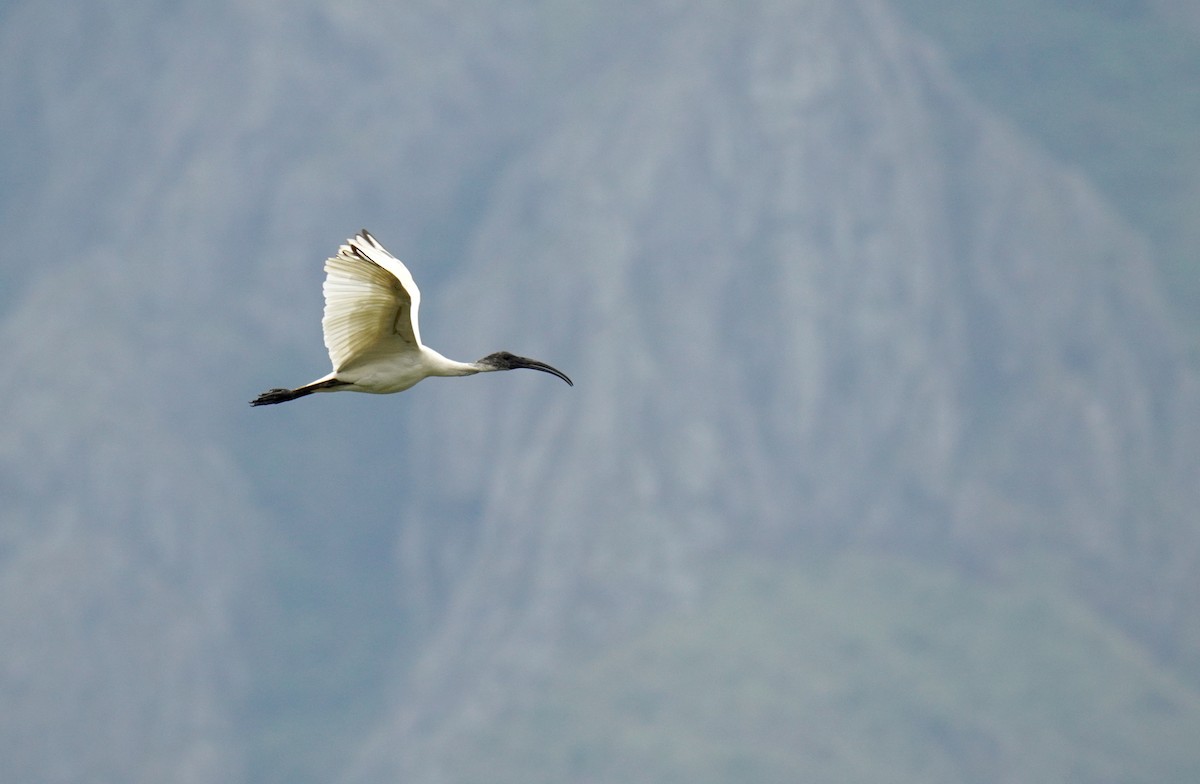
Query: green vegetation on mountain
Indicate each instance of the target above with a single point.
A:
(857, 669)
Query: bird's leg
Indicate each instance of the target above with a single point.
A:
(279, 395)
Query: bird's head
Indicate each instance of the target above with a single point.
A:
(502, 360)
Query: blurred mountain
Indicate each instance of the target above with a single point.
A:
(821, 300)
(127, 548)
(837, 330)
(1097, 84)
(854, 669)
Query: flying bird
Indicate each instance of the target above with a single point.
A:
(370, 325)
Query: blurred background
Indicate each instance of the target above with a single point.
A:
(881, 463)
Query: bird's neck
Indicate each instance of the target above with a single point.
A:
(443, 366)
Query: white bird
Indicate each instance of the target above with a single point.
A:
(370, 324)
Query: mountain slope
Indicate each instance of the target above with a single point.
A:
(129, 550)
(855, 668)
(1098, 84)
(174, 177)
(817, 298)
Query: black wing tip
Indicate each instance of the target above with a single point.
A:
(355, 245)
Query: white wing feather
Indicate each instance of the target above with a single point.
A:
(371, 303)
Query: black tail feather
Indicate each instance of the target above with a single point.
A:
(273, 396)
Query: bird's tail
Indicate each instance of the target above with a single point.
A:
(273, 396)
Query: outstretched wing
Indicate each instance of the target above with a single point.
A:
(371, 303)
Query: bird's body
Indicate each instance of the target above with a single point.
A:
(372, 332)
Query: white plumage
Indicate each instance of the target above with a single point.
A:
(372, 333)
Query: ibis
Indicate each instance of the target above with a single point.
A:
(371, 331)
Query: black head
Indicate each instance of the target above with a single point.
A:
(502, 360)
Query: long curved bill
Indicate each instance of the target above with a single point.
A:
(533, 364)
